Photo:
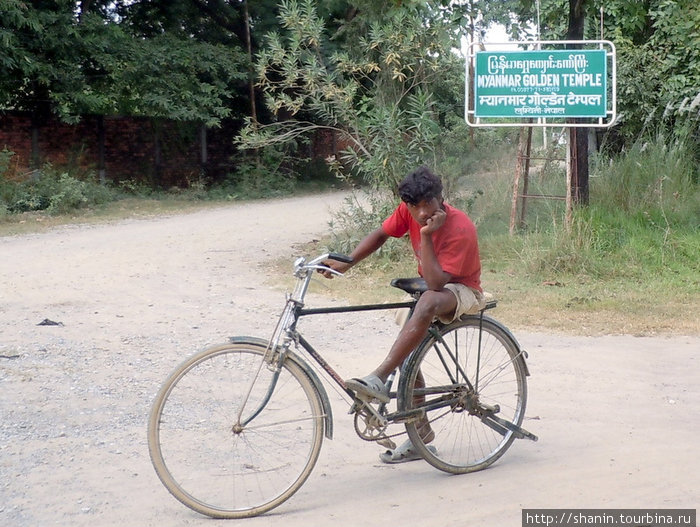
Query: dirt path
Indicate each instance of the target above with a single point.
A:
(618, 417)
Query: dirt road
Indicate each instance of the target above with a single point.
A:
(618, 417)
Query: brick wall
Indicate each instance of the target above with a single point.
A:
(129, 147)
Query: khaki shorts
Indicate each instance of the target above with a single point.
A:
(468, 301)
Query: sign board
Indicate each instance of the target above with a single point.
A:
(541, 84)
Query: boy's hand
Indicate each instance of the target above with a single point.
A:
(341, 267)
(433, 223)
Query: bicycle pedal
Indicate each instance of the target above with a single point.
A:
(491, 409)
(359, 406)
(387, 443)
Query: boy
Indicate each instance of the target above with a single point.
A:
(445, 243)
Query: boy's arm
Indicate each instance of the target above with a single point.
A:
(433, 273)
(370, 243)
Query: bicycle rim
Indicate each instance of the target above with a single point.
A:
(463, 442)
(210, 467)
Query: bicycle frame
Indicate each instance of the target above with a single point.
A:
(301, 312)
(286, 333)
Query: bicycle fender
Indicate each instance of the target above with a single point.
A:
(310, 373)
(523, 354)
(325, 401)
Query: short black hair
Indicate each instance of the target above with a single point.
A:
(420, 185)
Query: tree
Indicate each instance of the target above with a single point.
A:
(658, 57)
(659, 72)
(376, 93)
(76, 58)
(72, 59)
(578, 139)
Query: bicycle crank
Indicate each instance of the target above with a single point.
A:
(370, 425)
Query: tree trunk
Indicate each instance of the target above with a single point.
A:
(84, 9)
(251, 80)
(157, 153)
(203, 158)
(101, 170)
(578, 140)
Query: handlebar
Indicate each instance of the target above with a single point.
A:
(302, 266)
(339, 257)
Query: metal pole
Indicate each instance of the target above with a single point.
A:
(516, 182)
(526, 177)
(570, 168)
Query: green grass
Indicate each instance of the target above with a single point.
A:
(546, 300)
(628, 263)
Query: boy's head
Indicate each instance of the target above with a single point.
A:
(420, 185)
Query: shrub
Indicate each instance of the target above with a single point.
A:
(54, 191)
(643, 218)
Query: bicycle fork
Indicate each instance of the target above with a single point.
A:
(240, 425)
(273, 358)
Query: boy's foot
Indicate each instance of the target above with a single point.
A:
(369, 387)
(403, 453)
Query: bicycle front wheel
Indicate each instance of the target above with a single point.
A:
(471, 368)
(211, 463)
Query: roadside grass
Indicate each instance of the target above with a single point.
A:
(560, 303)
(583, 306)
(627, 264)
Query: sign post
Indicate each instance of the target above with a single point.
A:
(542, 87)
(550, 85)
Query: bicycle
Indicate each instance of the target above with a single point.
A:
(236, 429)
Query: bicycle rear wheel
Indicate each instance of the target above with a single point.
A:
(465, 378)
(213, 466)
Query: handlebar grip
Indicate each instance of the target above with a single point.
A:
(340, 257)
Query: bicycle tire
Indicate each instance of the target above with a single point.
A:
(463, 442)
(199, 457)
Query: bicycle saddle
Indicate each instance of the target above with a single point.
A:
(410, 285)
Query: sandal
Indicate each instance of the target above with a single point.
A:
(404, 453)
(369, 387)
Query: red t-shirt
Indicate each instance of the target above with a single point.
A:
(455, 243)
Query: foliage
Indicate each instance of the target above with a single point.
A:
(58, 58)
(376, 94)
(658, 56)
(54, 191)
(166, 79)
(659, 66)
(257, 176)
(644, 218)
(360, 215)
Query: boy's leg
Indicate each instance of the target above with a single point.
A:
(431, 304)
(423, 426)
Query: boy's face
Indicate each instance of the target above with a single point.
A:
(425, 209)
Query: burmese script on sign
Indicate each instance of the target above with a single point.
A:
(561, 83)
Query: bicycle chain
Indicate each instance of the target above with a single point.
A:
(382, 436)
(373, 439)
(370, 439)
